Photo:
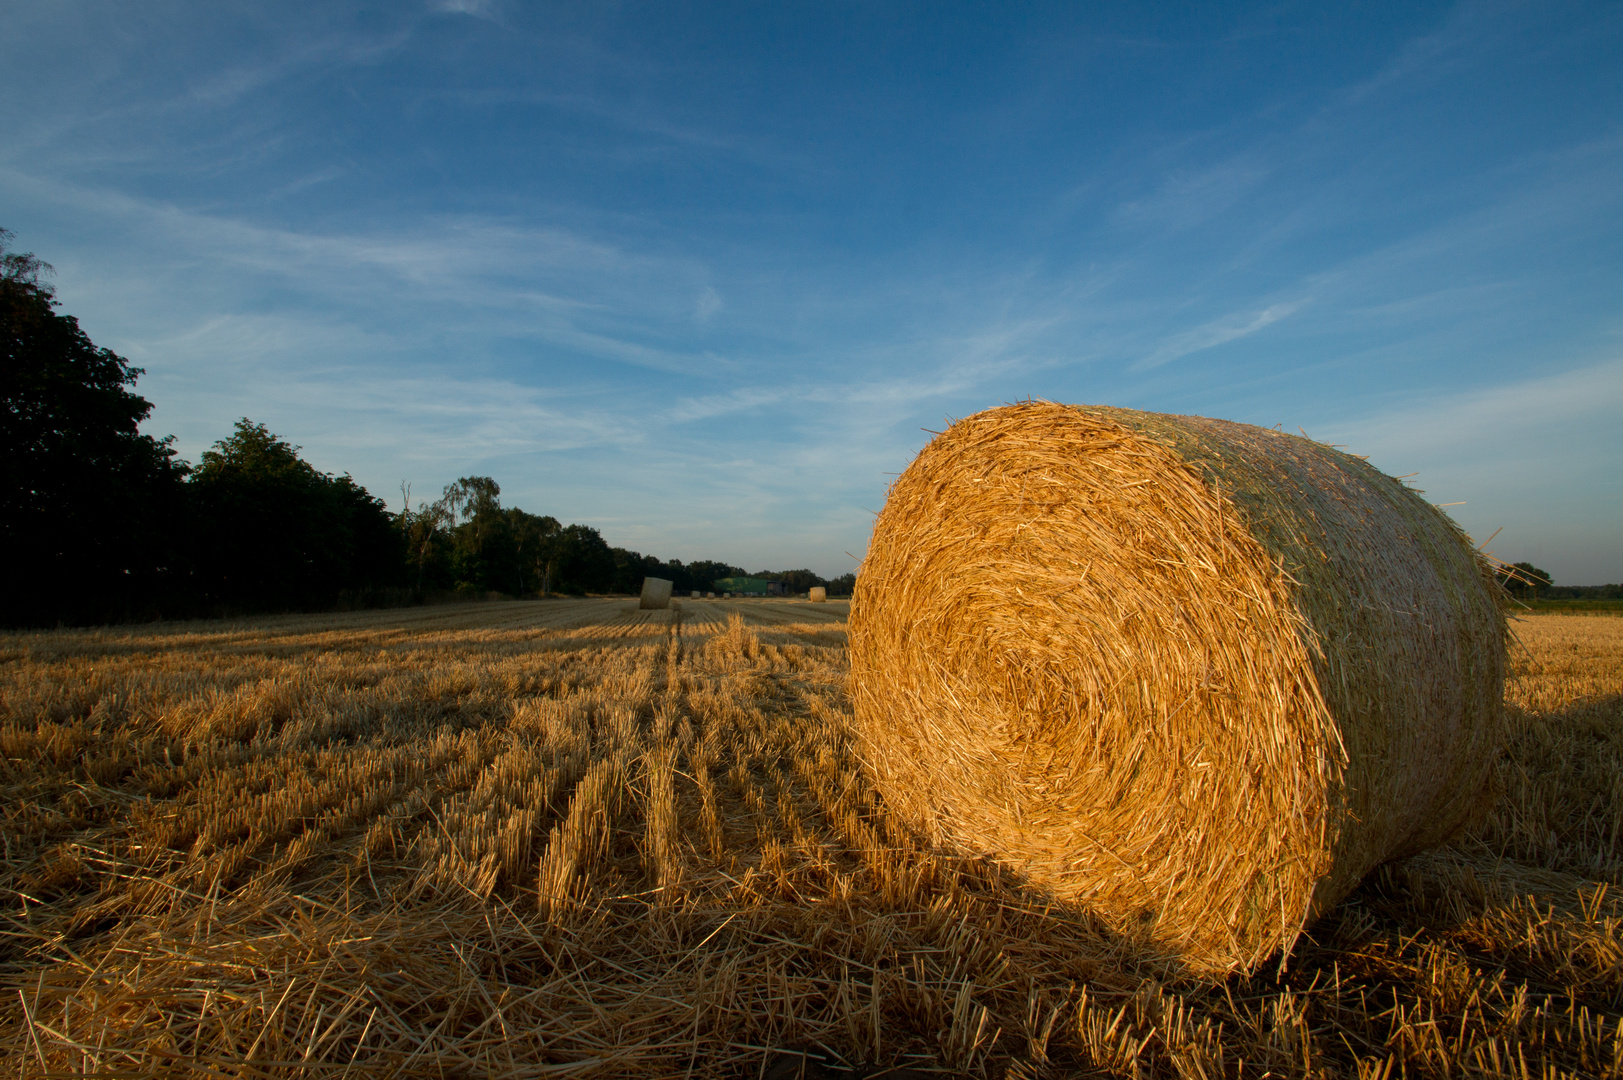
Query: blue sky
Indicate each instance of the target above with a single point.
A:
(699, 275)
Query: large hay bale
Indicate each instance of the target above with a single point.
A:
(1196, 676)
(817, 594)
(656, 594)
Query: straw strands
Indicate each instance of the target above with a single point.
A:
(1196, 677)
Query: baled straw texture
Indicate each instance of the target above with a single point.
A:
(818, 594)
(656, 594)
(1196, 676)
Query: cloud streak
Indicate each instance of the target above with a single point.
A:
(1217, 332)
(1551, 443)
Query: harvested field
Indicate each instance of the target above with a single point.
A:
(575, 838)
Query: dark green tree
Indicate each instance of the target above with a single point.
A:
(1524, 580)
(467, 540)
(89, 506)
(425, 533)
(584, 563)
(702, 573)
(630, 567)
(534, 543)
(481, 555)
(274, 533)
(680, 577)
(794, 581)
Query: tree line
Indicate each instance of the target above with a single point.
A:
(467, 541)
(1525, 581)
(101, 523)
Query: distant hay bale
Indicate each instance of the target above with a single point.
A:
(1195, 676)
(656, 594)
(817, 594)
(695, 593)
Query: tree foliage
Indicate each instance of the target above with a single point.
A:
(468, 542)
(1524, 580)
(794, 581)
(273, 532)
(86, 500)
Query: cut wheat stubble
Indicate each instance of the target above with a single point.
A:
(263, 849)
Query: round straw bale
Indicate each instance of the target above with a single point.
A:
(1195, 676)
(817, 594)
(656, 594)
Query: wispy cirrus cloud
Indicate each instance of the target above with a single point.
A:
(1191, 196)
(1508, 422)
(1534, 460)
(1460, 41)
(578, 291)
(482, 9)
(708, 303)
(1217, 332)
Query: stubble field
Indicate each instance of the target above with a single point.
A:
(571, 838)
